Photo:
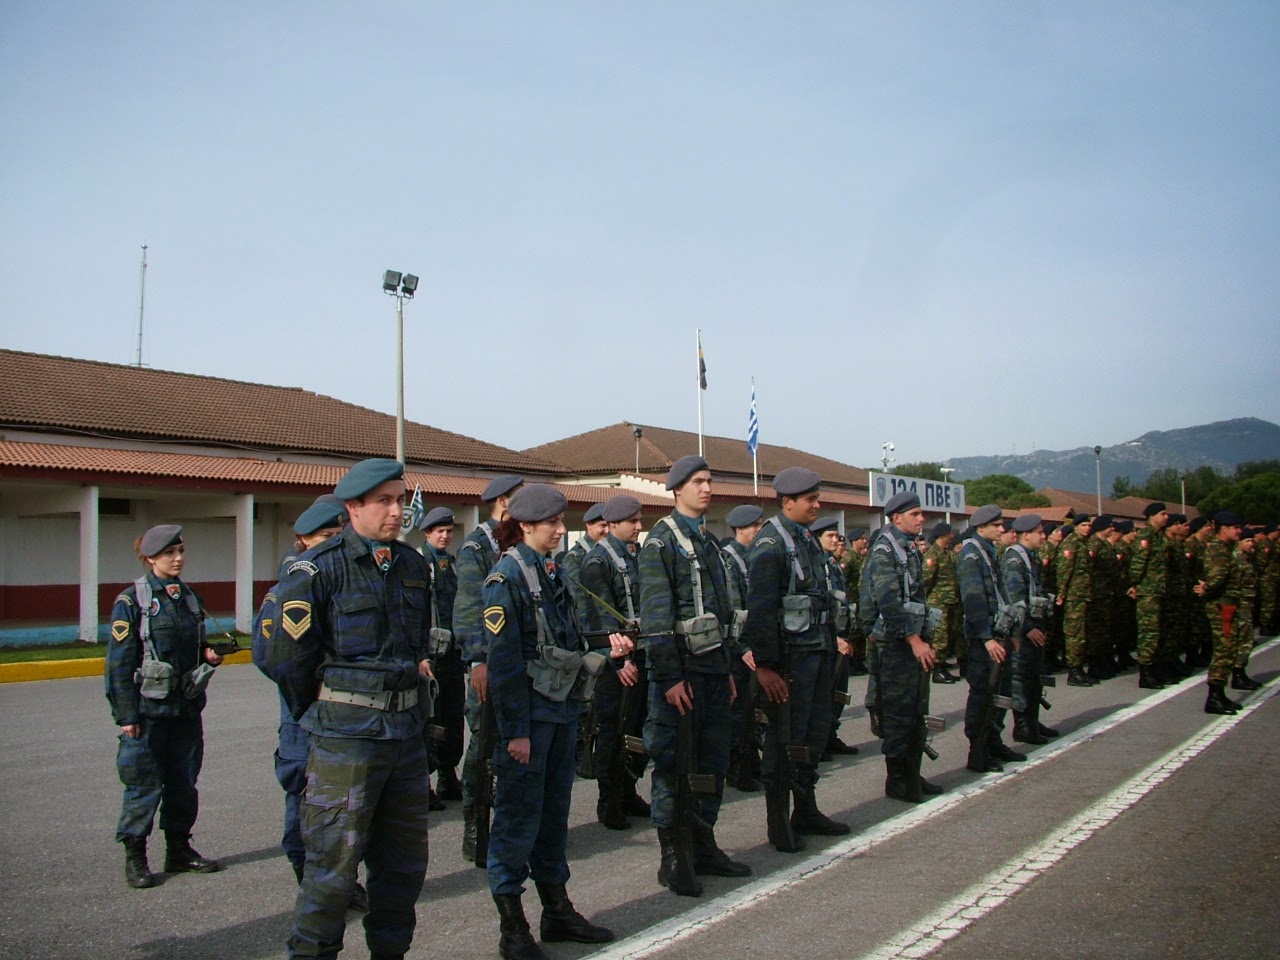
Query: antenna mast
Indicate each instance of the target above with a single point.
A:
(142, 301)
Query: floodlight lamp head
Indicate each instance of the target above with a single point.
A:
(390, 281)
(637, 432)
(409, 285)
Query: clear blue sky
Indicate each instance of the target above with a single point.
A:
(967, 228)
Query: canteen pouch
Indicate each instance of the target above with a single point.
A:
(702, 633)
(554, 672)
(842, 611)
(593, 665)
(797, 612)
(932, 623)
(196, 679)
(738, 624)
(1041, 608)
(155, 679)
(439, 641)
(917, 614)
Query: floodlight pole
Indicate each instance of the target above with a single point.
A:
(400, 378)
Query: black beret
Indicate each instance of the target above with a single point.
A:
(1177, 518)
(1272, 527)
(1026, 523)
(158, 538)
(500, 487)
(594, 513)
(940, 529)
(619, 508)
(1050, 525)
(794, 481)
(744, 516)
(1082, 518)
(901, 502)
(1124, 526)
(366, 475)
(536, 501)
(683, 469)
(1225, 518)
(318, 516)
(1100, 523)
(823, 524)
(988, 513)
(1198, 523)
(438, 517)
(856, 533)
(1151, 509)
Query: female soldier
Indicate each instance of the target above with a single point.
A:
(156, 670)
(536, 659)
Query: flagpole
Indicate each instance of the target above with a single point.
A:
(755, 458)
(698, 386)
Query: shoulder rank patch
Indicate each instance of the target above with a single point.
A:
(266, 627)
(928, 561)
(305, 565)
(471, 545)
(119, 629)
(443, 563)
(1144, 544)
(295, 617)
(657, 543)
(766, 541)
(125, 599)
(496, 577)
(1066, 553)
(495, 618)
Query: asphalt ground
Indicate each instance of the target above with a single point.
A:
(1150, 829)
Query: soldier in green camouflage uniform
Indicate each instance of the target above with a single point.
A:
(1197, 616)
(1055, 657)
(1148, 574)
(942, 591)
(1175, 630)
(854, 559)
(1221, 590)
(1105, 579)
(1074, 589)
(1126, 617)
(1265, 558)
(1245, 550)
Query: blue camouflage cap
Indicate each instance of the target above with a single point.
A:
(594, 513)
(744, 516)
(987, 513)
(823, 524)
(901, 502)
(535, 502)
(1026, 523)
(158, 538)
(438, 517)
(318, 516)
(793, 481)
(500, 487)
(366, 475)
(684, 468)
(622, 507)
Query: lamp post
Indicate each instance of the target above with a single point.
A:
(886, 448)
(946, 478)
(637, 433)
(1097, 455)
(402, 287)
(1182, 480)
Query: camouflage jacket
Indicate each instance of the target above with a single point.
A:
(940, 585)
(1074, 569)
(1149, 564)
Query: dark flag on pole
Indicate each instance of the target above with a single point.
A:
(702, 365)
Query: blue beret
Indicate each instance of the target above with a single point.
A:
(683, 469)
(988, 513)
(856, 533)
(1102, 522)
(438, 517)
(318, 516)
(1151, 509)
(536, 501)
(940, 529)
(901, 502)
(366, 475)
(823, 524)
(500, 487)
(622, 507)
(594, 512)
(744, 516)
(332, 498)
(1026, 523)
(794, 481)
(158, 538)
(1223, 518)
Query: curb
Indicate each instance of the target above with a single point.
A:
(84, 667)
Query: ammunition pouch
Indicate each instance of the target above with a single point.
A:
(1009, 620)
(842, 611)
(917, 615)
(428, 691)
(195, 680)
(1041, 608)
(593, 664)
(701, 633)
(932, 623)
(156, 679)
(554, 672)
(439, 641)
(797, 613)
(738, 624)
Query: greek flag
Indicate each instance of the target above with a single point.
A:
(415, 513)
(753, 424)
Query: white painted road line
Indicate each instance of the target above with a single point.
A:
(711, 912)
(993, 890)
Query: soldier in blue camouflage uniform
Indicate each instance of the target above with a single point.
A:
(981, 596)
(892, 582)
(536, 668)
(476, 557)
(1020, 569)
(158, 618)
(354, 613)
(827, 531)
(610, 601)
(445, 735)
(793, 660)
(683, 679)
(596, 530)
(744, 758)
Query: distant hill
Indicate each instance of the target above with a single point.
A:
(1220, 445)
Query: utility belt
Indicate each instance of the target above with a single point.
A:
(702, 634)
(158, 680)
(389, 701)
(556, 673)
(922, 621)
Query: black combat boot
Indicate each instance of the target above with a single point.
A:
(516, 941)
(942, 675)
(927, 789)
(837, 747)
(1164, 673)
(615, 819)
(1076, 677)
(448, 786)
(1101, 669)
(1025, 729)
(806, 818)
(709, 860)
(999, 750)
(434, 803)
(1217, 701)
(1124, 660)
(772, 815)
(874, 716)
(979, 760)
(668, 876)
(136, 872)
(359, 901)
(1147, 679)
(181, 857)
(469, 832)
(740, 775)
(560, 921)
(1242, 681)
(901, 782)
(297, 871)
(1179, 669)
(634, 805)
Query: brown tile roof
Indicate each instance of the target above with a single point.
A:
(103, 465)
(1129, 507)
(59, 394)
(612, 450)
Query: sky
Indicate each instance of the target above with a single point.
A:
(968, 229)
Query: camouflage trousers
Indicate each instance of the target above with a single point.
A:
(1244, 633)
(471, 759)
(159, 769)
(978, 671)
(531, 810)
(1148, 609)
(608, 700)
(1100, 627)
(1027, 664)
(897, 693)
(710, 748)
(839, 683)
(945, 641)
(1075, 629)
(1224, 624)
(870, 700)
(1267, 603)
(450, 711)
(811, 676)
(365, 800)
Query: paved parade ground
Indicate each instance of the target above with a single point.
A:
(1148, 830)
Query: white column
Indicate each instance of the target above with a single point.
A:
(89, 564)
(244, 563)
(474, 514)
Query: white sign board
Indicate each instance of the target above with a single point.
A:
(935, 496)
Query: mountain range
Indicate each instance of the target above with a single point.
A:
(1220, 445)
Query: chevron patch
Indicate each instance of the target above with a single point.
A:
(495, 618)
(120, 629)
(295, 617)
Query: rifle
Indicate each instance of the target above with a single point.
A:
(484, 782)
(586, 767)
(1045, 682)
(786, 755)
(754, 720)
(587, 734)
(925, 724)
(993, 699)
(688, 783)
(224, 647)
(625, 745)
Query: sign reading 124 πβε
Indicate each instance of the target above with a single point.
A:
(935, 496)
